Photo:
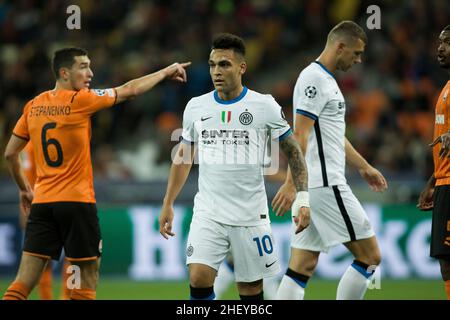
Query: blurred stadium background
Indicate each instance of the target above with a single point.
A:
(390, 99)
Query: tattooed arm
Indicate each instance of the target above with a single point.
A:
(297, 164)
(282, 202)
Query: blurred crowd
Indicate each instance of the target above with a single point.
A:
(390, 97)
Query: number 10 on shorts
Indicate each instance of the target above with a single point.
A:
(264, 244)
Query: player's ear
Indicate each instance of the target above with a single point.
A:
(243, 67)
(340, 46)
(63, 73)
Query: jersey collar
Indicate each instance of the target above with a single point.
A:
(238, 98)
(324, 68)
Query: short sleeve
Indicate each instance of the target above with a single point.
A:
(189, 134)
(93, 100)
(275, 121)
(309, 95)
(21, 127)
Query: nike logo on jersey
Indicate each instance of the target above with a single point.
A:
(205, 118)
(269, 265)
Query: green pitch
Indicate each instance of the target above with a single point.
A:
(119, 288)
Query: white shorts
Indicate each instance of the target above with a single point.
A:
(252, 248)
(336, 217)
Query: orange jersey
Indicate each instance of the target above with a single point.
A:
(58, 124)
(29, 169)
(441, 126)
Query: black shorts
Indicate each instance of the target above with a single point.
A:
(73, 226)
(440, 228)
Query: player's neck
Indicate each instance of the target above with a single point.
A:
(329, 62)
(63, 85)
(231, 94)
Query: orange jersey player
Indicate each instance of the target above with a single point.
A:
(436, 195)
(63, 211)
(45, 283)
(58, 125)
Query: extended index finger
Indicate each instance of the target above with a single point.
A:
(185, 64)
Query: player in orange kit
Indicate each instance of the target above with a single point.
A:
(45, 283)
(63, 211)
(436, 195)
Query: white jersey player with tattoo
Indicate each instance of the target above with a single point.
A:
(231, 129)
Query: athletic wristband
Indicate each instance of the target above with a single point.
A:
(301, 200)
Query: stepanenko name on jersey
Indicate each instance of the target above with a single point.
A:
(228, 137)
(37, 111)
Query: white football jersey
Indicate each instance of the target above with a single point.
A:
(233, 139)
(317, 96)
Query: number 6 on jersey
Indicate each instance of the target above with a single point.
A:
(47, 143)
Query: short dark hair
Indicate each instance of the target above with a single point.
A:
(229, 41)
(349, 29)
(65, 58)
